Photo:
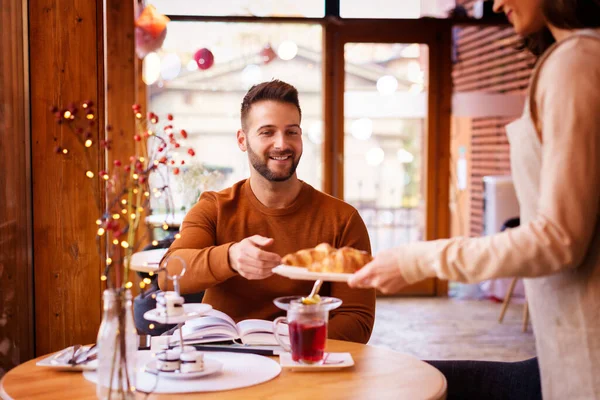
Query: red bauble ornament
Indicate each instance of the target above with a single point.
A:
(268, 54)
(204, 58)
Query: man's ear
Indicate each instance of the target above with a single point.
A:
(241, 140)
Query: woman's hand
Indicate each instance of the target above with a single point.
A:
(383, 274)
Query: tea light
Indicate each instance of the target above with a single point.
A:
(168, 361)
(191, 361)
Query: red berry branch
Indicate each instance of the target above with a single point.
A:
(127, 188)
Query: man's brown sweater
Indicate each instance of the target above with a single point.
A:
(220, 219)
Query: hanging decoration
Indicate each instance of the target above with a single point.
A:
(150, 31)
(204, 58)
(268, 54)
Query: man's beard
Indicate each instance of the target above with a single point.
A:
(262, 168)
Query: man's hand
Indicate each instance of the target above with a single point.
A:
(249, 259)
(383, 273)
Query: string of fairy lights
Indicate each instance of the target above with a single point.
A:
(126, 184)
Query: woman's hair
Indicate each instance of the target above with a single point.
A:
(563, 14)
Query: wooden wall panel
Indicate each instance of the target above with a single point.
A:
(66, 48)
(121, 73)
(488, 60)
(16, 290)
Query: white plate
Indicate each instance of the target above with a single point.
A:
(333, 362)
(210, 367)
(58, 361)
(304, 274)
(191, 310)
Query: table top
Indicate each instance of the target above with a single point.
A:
(172, 220)
(378, 373)
(147, 260)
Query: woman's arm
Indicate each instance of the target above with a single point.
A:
(568, 101)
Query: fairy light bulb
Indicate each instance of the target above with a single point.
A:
(98, 222)
(124, 244)
(116, 241)
(138, 115)
(147, 281)
(155, 190)
(90, 116)
(116, 216)
(124, 211)
(108, 261)
(101, 231)
(132, 216)
(135, 176)
(89, 174)
(88, 143)
(147, 194)
(142, 159)
(178, 236)
(151, 326)
(156, 162)
(123, 201)
(128, 285)
(105, 177)
(165, 227)
(65, 151)
(155, 243)
(67, 114)
(140, 209)
(151, 273)
(142, 285)
(103, 278)
(135, 191)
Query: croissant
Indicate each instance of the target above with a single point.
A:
(305, 258)
(324, 258)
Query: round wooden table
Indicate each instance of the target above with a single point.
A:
(378, 373)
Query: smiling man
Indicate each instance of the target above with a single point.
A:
(231, 240)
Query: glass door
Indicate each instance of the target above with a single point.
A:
(395, 135)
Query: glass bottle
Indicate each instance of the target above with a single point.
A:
(117, 347)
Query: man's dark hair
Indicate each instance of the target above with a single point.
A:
(274, 90)
(563, 14)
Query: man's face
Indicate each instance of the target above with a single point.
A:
(273, 139)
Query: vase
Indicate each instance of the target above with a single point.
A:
(117, 347)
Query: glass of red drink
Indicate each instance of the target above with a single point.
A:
(307, 324)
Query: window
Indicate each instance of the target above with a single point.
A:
(258, 8)
(395, 9)
(205, 99)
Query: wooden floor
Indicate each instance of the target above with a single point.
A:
(449, 329)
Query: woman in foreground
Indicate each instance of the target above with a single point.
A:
(555, 162)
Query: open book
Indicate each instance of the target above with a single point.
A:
(216, 326)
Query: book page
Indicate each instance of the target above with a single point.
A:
(215, 325)
(249, 326)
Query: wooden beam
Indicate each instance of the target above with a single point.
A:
(333, 112)
(16, 275)
(66, 48)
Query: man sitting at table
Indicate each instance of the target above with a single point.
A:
(232, 239)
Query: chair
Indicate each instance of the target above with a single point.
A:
(151, 256)
(513, 223)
